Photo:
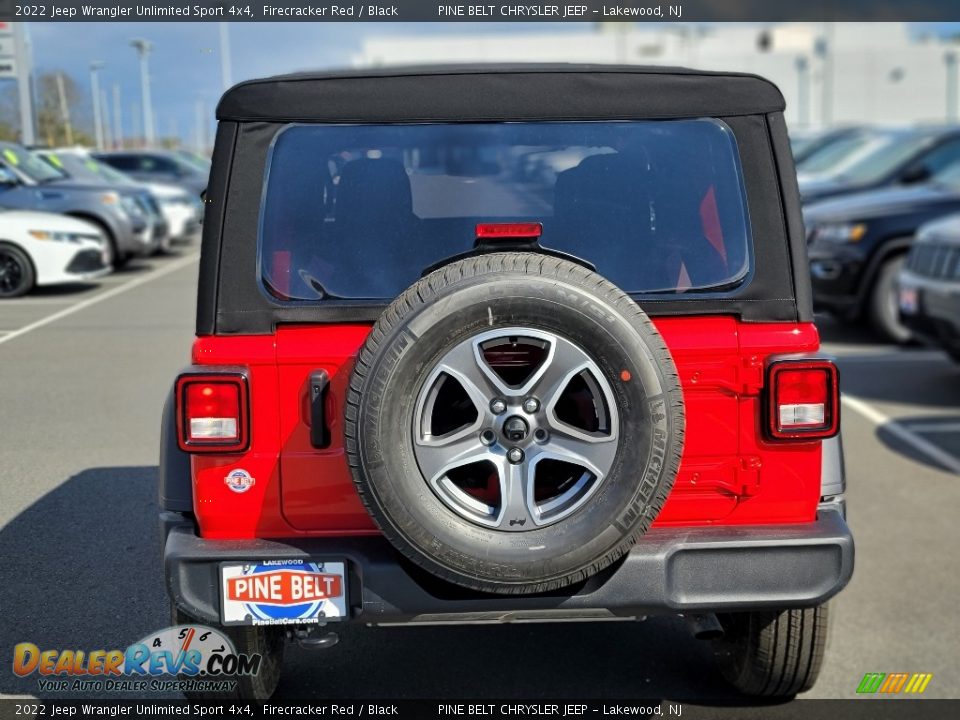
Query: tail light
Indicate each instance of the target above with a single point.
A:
(212, 413)
(803, 399)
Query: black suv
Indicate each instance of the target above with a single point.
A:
(858, 244)
(929, 285)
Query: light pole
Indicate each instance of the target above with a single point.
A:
(225, 73)
(143, 48)
(953, 112)
(824, 50)
(803, 91)
(64, 109)
(95, 67)
(105, 114)
(24, 61)
(117, 127)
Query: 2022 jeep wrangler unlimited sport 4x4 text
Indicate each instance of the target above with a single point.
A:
(506, 343)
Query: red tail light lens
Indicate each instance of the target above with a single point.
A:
(508, 231)
(212, 413)
(804, 400)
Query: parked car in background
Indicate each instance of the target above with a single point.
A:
(823, 161)
(198, 161)
(29, 183)
(810, 146)
(181, 209)
(929, 285)
(158, 166)
(38, 248)
(890, 158)
(858, 243)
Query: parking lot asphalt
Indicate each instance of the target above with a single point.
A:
(83, 374)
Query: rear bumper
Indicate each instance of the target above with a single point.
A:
(708, 569)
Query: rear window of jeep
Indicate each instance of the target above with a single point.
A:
(360, 211)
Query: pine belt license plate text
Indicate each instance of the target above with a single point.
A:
(282, 592)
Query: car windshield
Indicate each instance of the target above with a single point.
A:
(194, 161)
(886, 157)
(824, 159)
(360, 211)
(85, 168)
(28, 164)
(949, 176)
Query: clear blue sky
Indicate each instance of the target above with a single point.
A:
(185, 64)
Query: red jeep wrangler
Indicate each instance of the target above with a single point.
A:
(487, 344)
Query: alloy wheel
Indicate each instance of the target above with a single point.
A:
(515, 428)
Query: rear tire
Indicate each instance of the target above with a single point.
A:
(883, 304)
(17, 276)
(269, 642)
(773, 653)
(165, 246)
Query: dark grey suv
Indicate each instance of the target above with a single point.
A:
(158, 166)
(125, 215)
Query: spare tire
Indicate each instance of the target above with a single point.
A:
(514, 423)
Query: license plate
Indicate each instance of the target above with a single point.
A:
(909, 301)
(282, 592)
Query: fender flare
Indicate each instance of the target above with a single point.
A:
(175, 486)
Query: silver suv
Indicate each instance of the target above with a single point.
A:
(127, 216)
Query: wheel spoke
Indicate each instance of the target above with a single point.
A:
(438, 456)
(564, 361)
(481, 384)
(594, 454)
(517, 509)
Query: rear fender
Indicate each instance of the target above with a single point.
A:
(176, 493)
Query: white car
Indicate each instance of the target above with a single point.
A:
(38, 248)
(181, 209)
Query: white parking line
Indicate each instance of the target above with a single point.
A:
(136, 282)
(920, 444)
(34, 301)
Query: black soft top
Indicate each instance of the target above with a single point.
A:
(232, 300)
(499, 92)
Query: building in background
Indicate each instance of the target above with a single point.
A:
(830, 73)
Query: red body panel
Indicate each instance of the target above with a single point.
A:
(729, 473)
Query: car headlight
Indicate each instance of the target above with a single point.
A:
(131, 206)
(840, 233)
(57, 236)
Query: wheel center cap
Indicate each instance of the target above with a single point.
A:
(515, 429)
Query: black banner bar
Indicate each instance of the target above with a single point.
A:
(858, 709)
(439, 11)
